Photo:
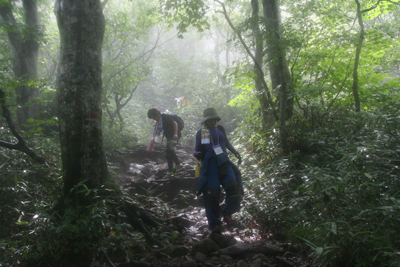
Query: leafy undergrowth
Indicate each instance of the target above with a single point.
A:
(337, 192)
(32, 233)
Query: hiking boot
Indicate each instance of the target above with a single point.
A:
(217, 230)
(229, 221)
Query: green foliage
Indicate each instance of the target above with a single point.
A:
(322, 49)
(185, 14)
(24, 188)
(37, 126)
(337, 190)
(82, 233)
(33, 234)
(114, 138)
(129, 42)
(243, 77)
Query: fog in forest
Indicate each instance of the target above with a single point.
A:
(307, 92)
(148, 63)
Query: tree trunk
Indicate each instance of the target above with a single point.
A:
(258, 55)
(259, 69)
(278, 67)
(79, 89)
(357, 59)
(25, 49)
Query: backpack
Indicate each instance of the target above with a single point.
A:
(178, 121)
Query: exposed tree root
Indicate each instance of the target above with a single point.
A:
(140, 219)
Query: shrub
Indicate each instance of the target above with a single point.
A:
(338, 190)
(76, 237)
(114, 138)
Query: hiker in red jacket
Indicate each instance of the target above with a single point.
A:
(166, 125)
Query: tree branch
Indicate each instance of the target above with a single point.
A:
(131, 95)
(21, 145)
(103, 4)
(270, 102)
(371, 8)
(376, 5)
(394, 3)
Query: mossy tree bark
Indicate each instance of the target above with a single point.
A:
(79, 89)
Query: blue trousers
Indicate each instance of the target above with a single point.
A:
(212, 193)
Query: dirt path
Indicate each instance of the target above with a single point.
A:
(143, 174)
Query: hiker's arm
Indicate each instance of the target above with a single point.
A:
(228, 145)
(175, 130)
(197, 147)
(233, 150)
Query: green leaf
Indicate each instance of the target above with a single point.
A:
(368, 175)
(395, 202)
(334, 228)
(319, 251)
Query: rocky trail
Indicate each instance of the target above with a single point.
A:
(144, 175)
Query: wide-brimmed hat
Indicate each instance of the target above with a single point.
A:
(209, 114)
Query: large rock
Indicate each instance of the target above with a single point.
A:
(205, 246)
(223, 241)
(236, 250)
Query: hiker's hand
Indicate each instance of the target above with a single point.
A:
(198, 155)
(239, 158)
(175, 137)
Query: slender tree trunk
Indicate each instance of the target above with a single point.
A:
(264, 83)
(279, 71)
(25, 49)
(228, 49)
(258, 55)
(81, 25)
(221, 78)
(357, 58)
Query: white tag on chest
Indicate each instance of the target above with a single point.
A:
(218, 150)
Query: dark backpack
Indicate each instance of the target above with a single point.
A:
(180, 123)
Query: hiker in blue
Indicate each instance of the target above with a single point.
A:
(216, 170)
